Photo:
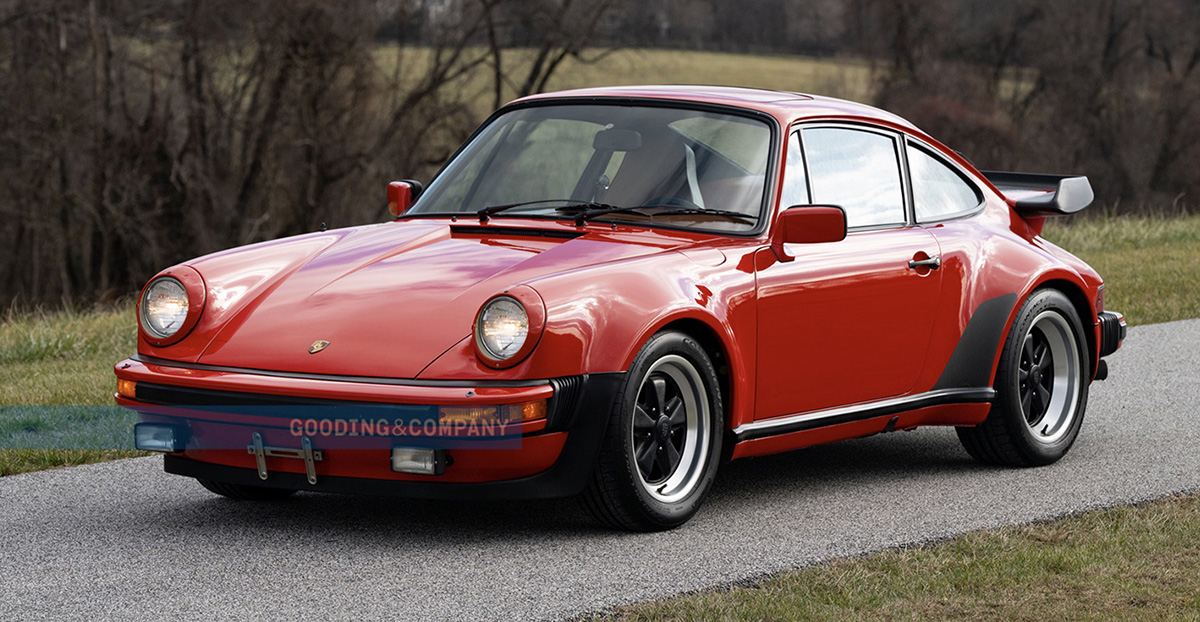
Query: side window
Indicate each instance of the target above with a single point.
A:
(795, 183)
(857, 170)
(938, 190)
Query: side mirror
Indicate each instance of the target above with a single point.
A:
(401, 194)
(807, 224)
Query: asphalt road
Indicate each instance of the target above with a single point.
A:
(124, 540)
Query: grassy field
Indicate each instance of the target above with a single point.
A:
(56, 386)
(1128, 563)
(63, 358)
(1151, 266)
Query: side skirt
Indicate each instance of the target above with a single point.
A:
(848, 414)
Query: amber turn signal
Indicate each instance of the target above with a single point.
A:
(127, 388)
(491, 415)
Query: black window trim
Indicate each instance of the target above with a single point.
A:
(962, 173)
(897, 139)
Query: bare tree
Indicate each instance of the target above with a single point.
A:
(542, 34)
(142, 134)
(1112, 91)
(138, 133)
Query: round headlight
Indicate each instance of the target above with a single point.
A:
(164, 307)
(502, 327)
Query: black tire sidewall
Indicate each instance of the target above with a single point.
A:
(663, 344)
(1008, 390)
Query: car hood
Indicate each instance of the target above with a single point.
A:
(388, 299)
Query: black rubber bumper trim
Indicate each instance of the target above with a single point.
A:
(562, 406)
(1112, 332)
(173, 395)
(567, 477)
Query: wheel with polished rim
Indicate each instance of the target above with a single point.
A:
(246, 493)
(663, 441)
(1041, 387)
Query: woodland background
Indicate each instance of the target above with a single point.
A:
(138, 133)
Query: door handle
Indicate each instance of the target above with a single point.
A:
(932, 263)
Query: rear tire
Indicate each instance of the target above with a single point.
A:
(246, 493)
(1041, 387)
(663, 443)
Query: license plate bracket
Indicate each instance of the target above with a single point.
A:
(306, 453)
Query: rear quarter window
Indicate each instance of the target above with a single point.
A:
(939, 191)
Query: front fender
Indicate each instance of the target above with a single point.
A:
(597, 321)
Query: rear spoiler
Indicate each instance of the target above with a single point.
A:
(1043, 195)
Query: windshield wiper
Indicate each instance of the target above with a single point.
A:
(593, 209)
(487, 212)
(599, 209)
(668, 210)
(659, 210)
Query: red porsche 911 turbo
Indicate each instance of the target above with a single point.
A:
(608, 292)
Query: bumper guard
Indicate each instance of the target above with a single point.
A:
(1112, 332)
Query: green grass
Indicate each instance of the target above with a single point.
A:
(1151, 266)
(56, 386)
(63, 358)
(1128, 563)
(14, 461)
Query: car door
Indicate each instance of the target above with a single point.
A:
(846, 322)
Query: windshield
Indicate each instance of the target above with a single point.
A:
(693, 166)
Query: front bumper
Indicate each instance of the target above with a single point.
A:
(221, 410)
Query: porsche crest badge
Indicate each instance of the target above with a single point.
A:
(317, 346)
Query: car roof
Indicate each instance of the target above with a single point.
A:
(786, 106)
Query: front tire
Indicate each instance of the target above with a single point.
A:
(1041, 387)
(663, 443)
